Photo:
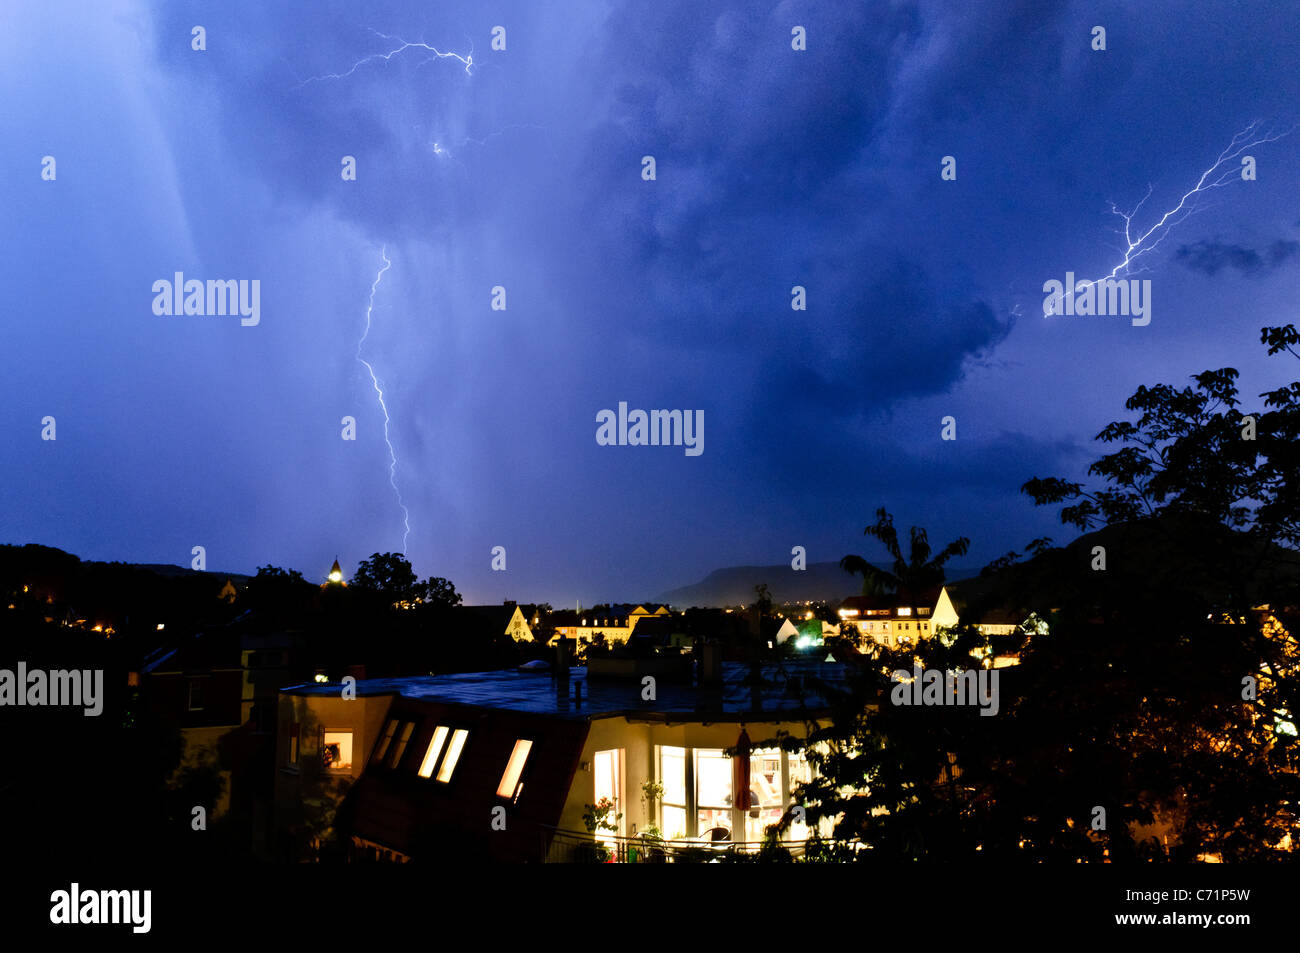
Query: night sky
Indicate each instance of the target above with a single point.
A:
(775, 168)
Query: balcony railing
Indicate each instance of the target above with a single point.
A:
(578, 847)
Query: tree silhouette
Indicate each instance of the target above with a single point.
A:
(387, 574)
(916, 574)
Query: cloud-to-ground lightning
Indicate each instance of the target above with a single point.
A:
(401, 47)
(379, 391)
(1221, 173)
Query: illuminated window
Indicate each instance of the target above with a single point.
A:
(453, 754)
(336, 750)
(698, 796)
(389, 730)
(514, 767)
(435, 749)
(904, 610)
(713, 796)
(401, 744)
(672, 775)
(293, 744)
(607, 782)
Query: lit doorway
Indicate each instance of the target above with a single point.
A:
(608, 768)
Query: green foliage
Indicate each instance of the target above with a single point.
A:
(596, 817)
(920, 571)
(437, 591)
(1132, 701)
(389, 575)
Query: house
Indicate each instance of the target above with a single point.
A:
(899, 617)
(585, 626)
(651, 610)
(894, 618)
(197, 685)
(503, 765)
(505, 619)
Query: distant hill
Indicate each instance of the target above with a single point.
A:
(825, 582)
(1171, 553)
(169, 571)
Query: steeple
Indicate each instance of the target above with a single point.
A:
(336, 574)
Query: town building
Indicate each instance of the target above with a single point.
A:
(505, 764)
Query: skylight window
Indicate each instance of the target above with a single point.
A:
(453, 754)
(514, 767)
(435, 748)
(407, 729)
(389, 730)
(436, 744)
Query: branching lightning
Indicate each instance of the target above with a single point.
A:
(401, 47)
(1221, 173)
(379, 391)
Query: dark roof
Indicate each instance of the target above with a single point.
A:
(658, 627)
(426, 818)
(538, 693)
(497, 616)
(928, 598)
(1002, 617)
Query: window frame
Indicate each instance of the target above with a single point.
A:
(320, 747)
(451, 748)
(517, 787)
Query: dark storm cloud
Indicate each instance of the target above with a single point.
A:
(1211, 257)
(776, 168)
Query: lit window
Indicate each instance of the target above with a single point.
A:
(293, 743)
(514, 767)
(435, 749)
(401, 744)
(336, 750)
(903, 610)
(389, 730)
(453, 754)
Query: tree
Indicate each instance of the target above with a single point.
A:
(438, 591)
(1155, 719)
(387, 574)
(918, 573)
(278, 592)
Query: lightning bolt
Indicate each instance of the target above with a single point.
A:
(441, 149)
(1221, 173)
(401, 47)
(379, 391)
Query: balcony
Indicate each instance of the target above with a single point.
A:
(577, 847)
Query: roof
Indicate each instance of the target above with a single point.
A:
(498, 616)
(538, 693)
(425, 818)
(927, 598)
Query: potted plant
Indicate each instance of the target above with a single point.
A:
(595, 818)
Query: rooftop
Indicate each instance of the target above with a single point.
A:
(786, 690)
